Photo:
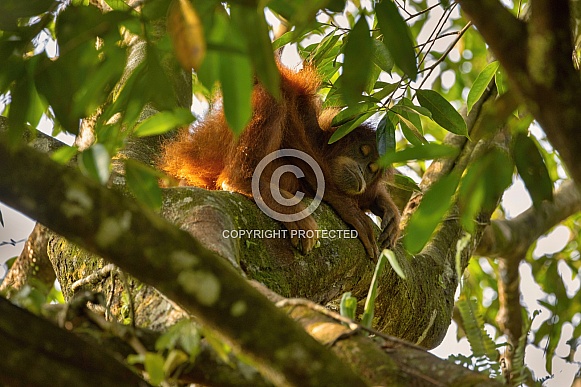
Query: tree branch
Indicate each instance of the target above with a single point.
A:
(391, 360)
(511, 239)
(505, 34)
(435, 265)
(538, 60)
(159, 254)
(33, 263)
(510, 314)
(59, 357)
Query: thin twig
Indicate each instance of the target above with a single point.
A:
(125, 333)
(422, 12)
(435, 32)
(445, 54)
(95, 277)
(444, 35)
(110, 299)
(12, 242)
(402, 7)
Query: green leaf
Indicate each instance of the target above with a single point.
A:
(300, 13)
(123, 99)
(357, 63)
(381, 56)
(64, 154)
(328, 68)
(397, 37)
(348, 127)
(174, 359)
(135, 359)
(372, 77)
(443, 112)
(236, 78)
(482, 185)
(348, 306)
(481, 83)
(410, 131)
(21, 96)
(369, 309)
(422, 152)
(209, 72)
(352, 112)
(155, 84)
(334, 98)
(410, 120)
(95, 163)
(392, 259)
(532, 169)
(283, 40)
(12, 68)
(335, 5)
(501, 82)
(184, 333)
(404, 183)
(190, 340)
(36, 109)
(53, 78)
(385, 89)
(405, 105)
(385, 135)
(169, 339)
(252, 24)
(163, 122)
(84, 74)
(118, 5)
(431, 211)
(12, 10)
(91, 92)
(325, 48)
(153, 364)
(142, 181)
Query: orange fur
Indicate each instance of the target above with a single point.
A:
(209, 156)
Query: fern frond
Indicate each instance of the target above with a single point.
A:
(480, 341)
(519, 370)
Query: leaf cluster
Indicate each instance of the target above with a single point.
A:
(65, 61)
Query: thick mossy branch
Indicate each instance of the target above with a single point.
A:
(60, 358)
(226, 222)
(418, 309)
(382, 360)
(159, 254)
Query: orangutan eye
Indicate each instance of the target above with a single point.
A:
(365, 150)
(373, 167)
